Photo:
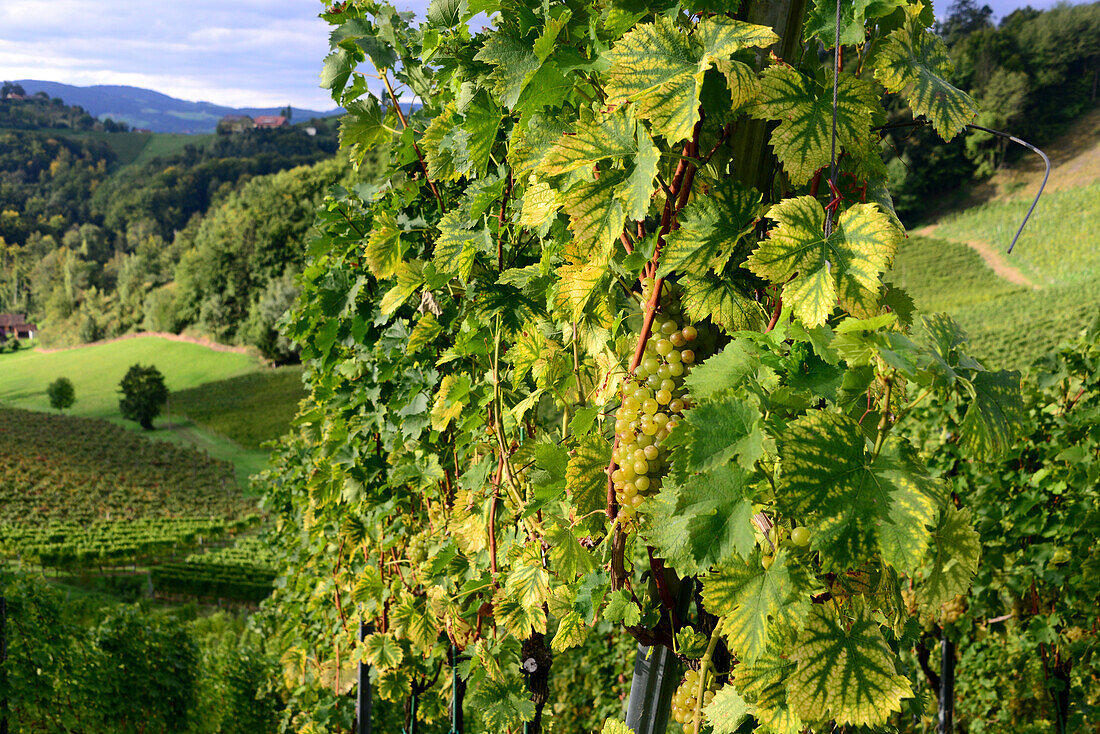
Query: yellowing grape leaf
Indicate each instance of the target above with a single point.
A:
(754, 602)
(456, 246)
(818, 271)
(384, 249)
(450, 398)
(414, 624)
(860, 505)
(718, 432)
(724, 300)
(956, 548)
(659, 67)
(615, 136)
(726, 711)
(711, 228)
(802, 141)
(845, 670)
(572, 632)
(586, 475)
(763, 683)
(596, 217)
(915, 63)
(382, 650)
(518, 618)
(576, 285)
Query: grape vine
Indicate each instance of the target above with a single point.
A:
(598, 342)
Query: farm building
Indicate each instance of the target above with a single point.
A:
(270, 121)
(15, 325)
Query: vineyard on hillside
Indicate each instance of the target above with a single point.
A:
(78, 493)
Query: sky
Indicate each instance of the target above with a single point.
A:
(239, 53)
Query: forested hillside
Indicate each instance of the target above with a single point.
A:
(1032, 74)
(95, 243)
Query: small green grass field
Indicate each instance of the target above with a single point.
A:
(257, 406)
(1018, 306)
(251, 409)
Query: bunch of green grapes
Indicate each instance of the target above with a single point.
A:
(684, 700)
(952, 610)
(653, 399)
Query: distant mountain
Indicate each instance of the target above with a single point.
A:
(144, 108)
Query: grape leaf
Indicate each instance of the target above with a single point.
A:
(703, 521)
(438, 144)
(816, 271)
(528, 580)
(613, 136)
(586, 476)
(763, 683)
(568, 557)
(956, 548)
(576, 285)
(802, 141)
(621, 608)
(572, 631)
(754, 601)
(915, 63)
(415, 625)
(596, 216)
(726, 711)
(382, 650)
(456, 246)
(845, 670)
(860, 504)
(821, 19)
(660, 68)
(384, 250)
(711, 228)
(718, 432)
(725, 300)
(500, 706)
(612, 726)
(995, 413)
(518, 618)
(514, 63)
(363, 128)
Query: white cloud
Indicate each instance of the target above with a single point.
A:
(239, 53)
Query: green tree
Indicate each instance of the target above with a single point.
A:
(61, 393)
(143, 394)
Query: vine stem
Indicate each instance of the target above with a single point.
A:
(704, 670)
(883, 422)
(405, 124)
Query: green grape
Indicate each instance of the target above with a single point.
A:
(677, 339)
(664, 348)
(673, 357)
(689, 333)
(800, 537)
(631, 404)
(676, 405)
(664, 372)
(652, 365)
(687, 356)
(649, 406)
(649, 453)
(641, 484)
(676, 369)
(668, 328)
(663, 397)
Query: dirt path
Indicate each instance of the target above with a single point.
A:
(163, 335)
(990, 255)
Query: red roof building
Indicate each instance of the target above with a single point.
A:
(270, 121)
(15, 325)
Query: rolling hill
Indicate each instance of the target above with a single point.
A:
(1016, 306)
(145, 108)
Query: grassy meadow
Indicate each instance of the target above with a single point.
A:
(96, 371)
